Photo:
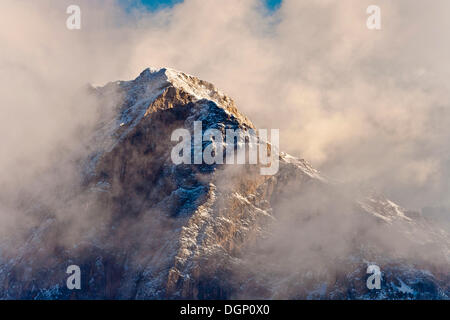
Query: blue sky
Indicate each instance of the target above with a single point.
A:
(155, 4)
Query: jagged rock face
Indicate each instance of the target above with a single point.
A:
(162, 230)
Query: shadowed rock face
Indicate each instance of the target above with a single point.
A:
(158, 230)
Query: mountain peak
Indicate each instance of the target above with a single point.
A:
(156, 89)
(192, 85)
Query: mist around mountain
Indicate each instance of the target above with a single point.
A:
(86, 171)
(438, 215)
(141, 227)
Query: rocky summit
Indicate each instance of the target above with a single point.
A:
(151, 229)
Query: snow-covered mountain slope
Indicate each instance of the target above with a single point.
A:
(158, 230)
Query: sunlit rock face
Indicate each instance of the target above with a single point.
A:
(156, 230)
